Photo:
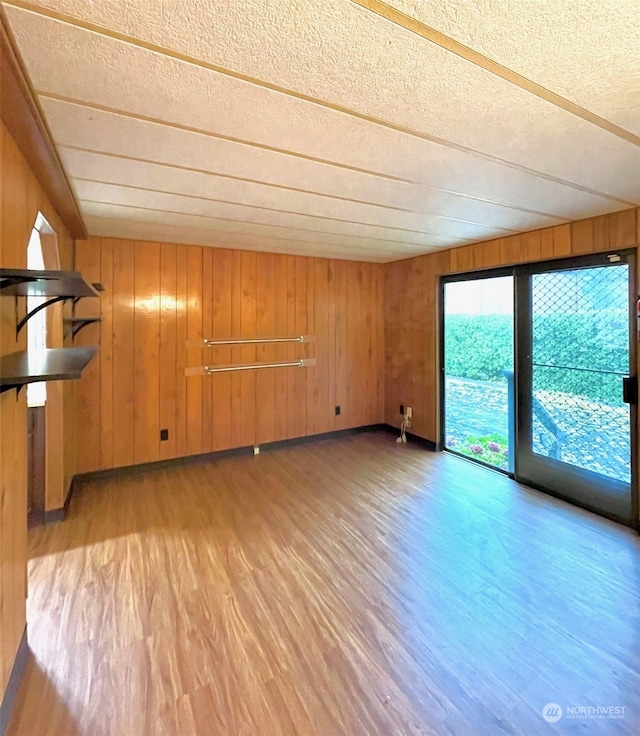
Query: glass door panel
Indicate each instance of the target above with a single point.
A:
(478, 369)
(574, 429)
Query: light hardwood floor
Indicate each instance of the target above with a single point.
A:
(348, 587)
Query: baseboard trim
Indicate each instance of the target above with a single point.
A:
(174, 462)
(414, 438)
(17, 671)
(55, 516)
(312, 438)
(128, 470)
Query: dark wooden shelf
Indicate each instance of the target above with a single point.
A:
(53, 364)
(27, 282)
(73, 325)
(57, 286)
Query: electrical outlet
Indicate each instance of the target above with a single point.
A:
(402, 409)
(164, 435)
(409, 412)
(256, 450)
(337, 411)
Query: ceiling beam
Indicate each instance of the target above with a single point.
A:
(25, 122)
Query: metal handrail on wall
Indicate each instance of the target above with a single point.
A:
(207, 370)
(211, 343)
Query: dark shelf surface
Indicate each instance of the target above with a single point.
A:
(53, 364)
(28, 282)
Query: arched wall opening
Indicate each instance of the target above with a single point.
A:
(45, 414)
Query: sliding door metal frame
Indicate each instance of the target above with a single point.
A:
(521, 274)
(566, 477)
(490, 273)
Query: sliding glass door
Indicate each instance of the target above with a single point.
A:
(478, 369)
(561, 416)
(574, 354)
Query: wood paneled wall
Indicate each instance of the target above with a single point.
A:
(22, 198)
(376, 329)
(158, 295)
(411, 297)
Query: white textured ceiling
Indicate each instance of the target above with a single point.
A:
(328, 128)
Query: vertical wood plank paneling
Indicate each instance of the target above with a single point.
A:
(146, 417)
(466, 258)
(281, 324)
(248, 353)
(416, 295)
(299, 375)
(379, 343)
(531, 246)
(10, 443)
(546, 243)
(453, 259)
(123, 355)
(5, 522)
(265, 395)
(623, 229)
(331, 344)
(562, 240)
(236, 353)
(21, 197)
(511, 250)
(425, 423)
(207, 330)
(309, 351)
(89, 389)
(168, 347)
(582, 237)
(368, 388)
(322, 399)
(292, 404)
(341, 301)
(352, 315)
(601, 235)
(194, 357)
(357, 362)
(406, 355)
(221, 328)
(105, 355)
(336, 300)
(488, 254)
(182, 310)
(393, 338)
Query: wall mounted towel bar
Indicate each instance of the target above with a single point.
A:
(206, 370)
(210, 343)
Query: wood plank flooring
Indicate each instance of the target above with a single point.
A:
(349, 587)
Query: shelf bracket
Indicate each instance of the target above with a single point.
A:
(30, 314)
(11, 386)
(77, 324)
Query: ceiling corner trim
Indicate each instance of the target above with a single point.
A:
(25, 122)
